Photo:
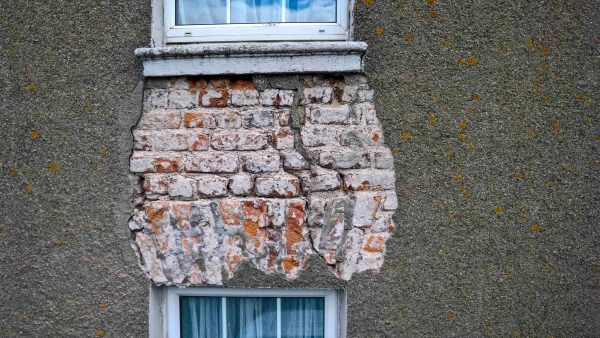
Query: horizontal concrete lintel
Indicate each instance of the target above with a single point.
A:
(253, 58)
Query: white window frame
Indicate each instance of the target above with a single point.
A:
(257, 32)
(333, 310)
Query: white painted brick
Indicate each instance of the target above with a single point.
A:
(345, 158)
(212, 185)
(241, 184)
(293, 160)
(319, 136)
(260, 162)
(368, 179)
(246, 97)
(280, 185)
(183, 99)
(239, 141)
(317, 95)
(182, 188)
(212, 162)
(329, 114)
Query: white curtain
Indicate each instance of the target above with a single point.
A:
(200, 12)
(311, 11)
(302, 317)
(200, 317)
(251, 317)
(255, 11)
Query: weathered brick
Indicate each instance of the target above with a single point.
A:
(365, 209)
(382, 222)
(200, 120)
(280, 185)
(383, 159)
(293, 160)
(212, 185)
(317, 95)
(229, 120)
(155, 99)
(283, 139)
(276, 97)
(276, 213)
(219, 82)
(350, 250)
(160, 119)
(362, 137)
(197, 140)
(295, 227)
(320, 179)
(214, 97)
(283, 116)
(230, 212)
(329, 114)
(260, 162)
(390, 201)
(183, 99)
(156, 185)
(369, 179)
(239, 141)
(142, 162)
(254, 213)
(160, 140)
(365, 95)
(345, 158)
(258, 118)
(212, 162)
(349, 94)
(355, 79)
(319, 136)
(241, 184)
(246, 97)
(151, 263)
(182, 188)
(369, 112)
(181, 212)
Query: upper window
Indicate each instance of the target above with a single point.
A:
(255, 20)
(252, 313)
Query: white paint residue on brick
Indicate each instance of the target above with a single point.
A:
(228, 174)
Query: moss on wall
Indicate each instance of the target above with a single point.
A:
(497, 229)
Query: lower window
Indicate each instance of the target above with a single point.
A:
(252, 313)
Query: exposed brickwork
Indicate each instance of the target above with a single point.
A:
(234, 172)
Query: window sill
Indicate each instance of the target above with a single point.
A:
(253, 58)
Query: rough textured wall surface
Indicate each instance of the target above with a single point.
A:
(268, 171)
(516, 256)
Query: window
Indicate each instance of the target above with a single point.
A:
(204, 312)
(255, 20)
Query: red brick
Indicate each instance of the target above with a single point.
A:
(154, 163)
(295, 226)
(160, 119)
(239, 141)
(214, 97)
(283, 139)
(199, 120)
(281, 185)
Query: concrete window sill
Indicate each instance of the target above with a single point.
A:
(253, 58)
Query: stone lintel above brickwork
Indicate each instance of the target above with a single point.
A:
(253, 58)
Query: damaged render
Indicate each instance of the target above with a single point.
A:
(269, 170)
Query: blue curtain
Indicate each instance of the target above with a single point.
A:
(251, 317)
(200, 317)
(302, 317)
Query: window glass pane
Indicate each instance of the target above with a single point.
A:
(310, 11)
(200, 12)
(251, 317)
(255, 11)
(200, 317)
(302, 317)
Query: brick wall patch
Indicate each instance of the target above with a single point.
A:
(232, 170)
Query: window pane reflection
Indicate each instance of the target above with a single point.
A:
(212, 12)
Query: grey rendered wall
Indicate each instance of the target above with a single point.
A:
(456, 266)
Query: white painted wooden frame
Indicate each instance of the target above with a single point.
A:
(334, 308)
(257, 32)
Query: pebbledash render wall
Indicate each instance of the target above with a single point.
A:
(269, 171)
